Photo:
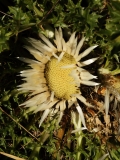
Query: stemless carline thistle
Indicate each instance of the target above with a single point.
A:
(55, 76)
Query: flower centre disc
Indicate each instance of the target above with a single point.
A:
(59, 79)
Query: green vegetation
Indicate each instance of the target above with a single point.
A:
(20, 135)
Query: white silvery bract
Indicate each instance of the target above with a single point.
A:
(76, 120)
(104, 156)
(55, 76)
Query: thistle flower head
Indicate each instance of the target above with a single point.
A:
(55, 76)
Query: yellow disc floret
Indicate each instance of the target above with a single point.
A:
(59, 79)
